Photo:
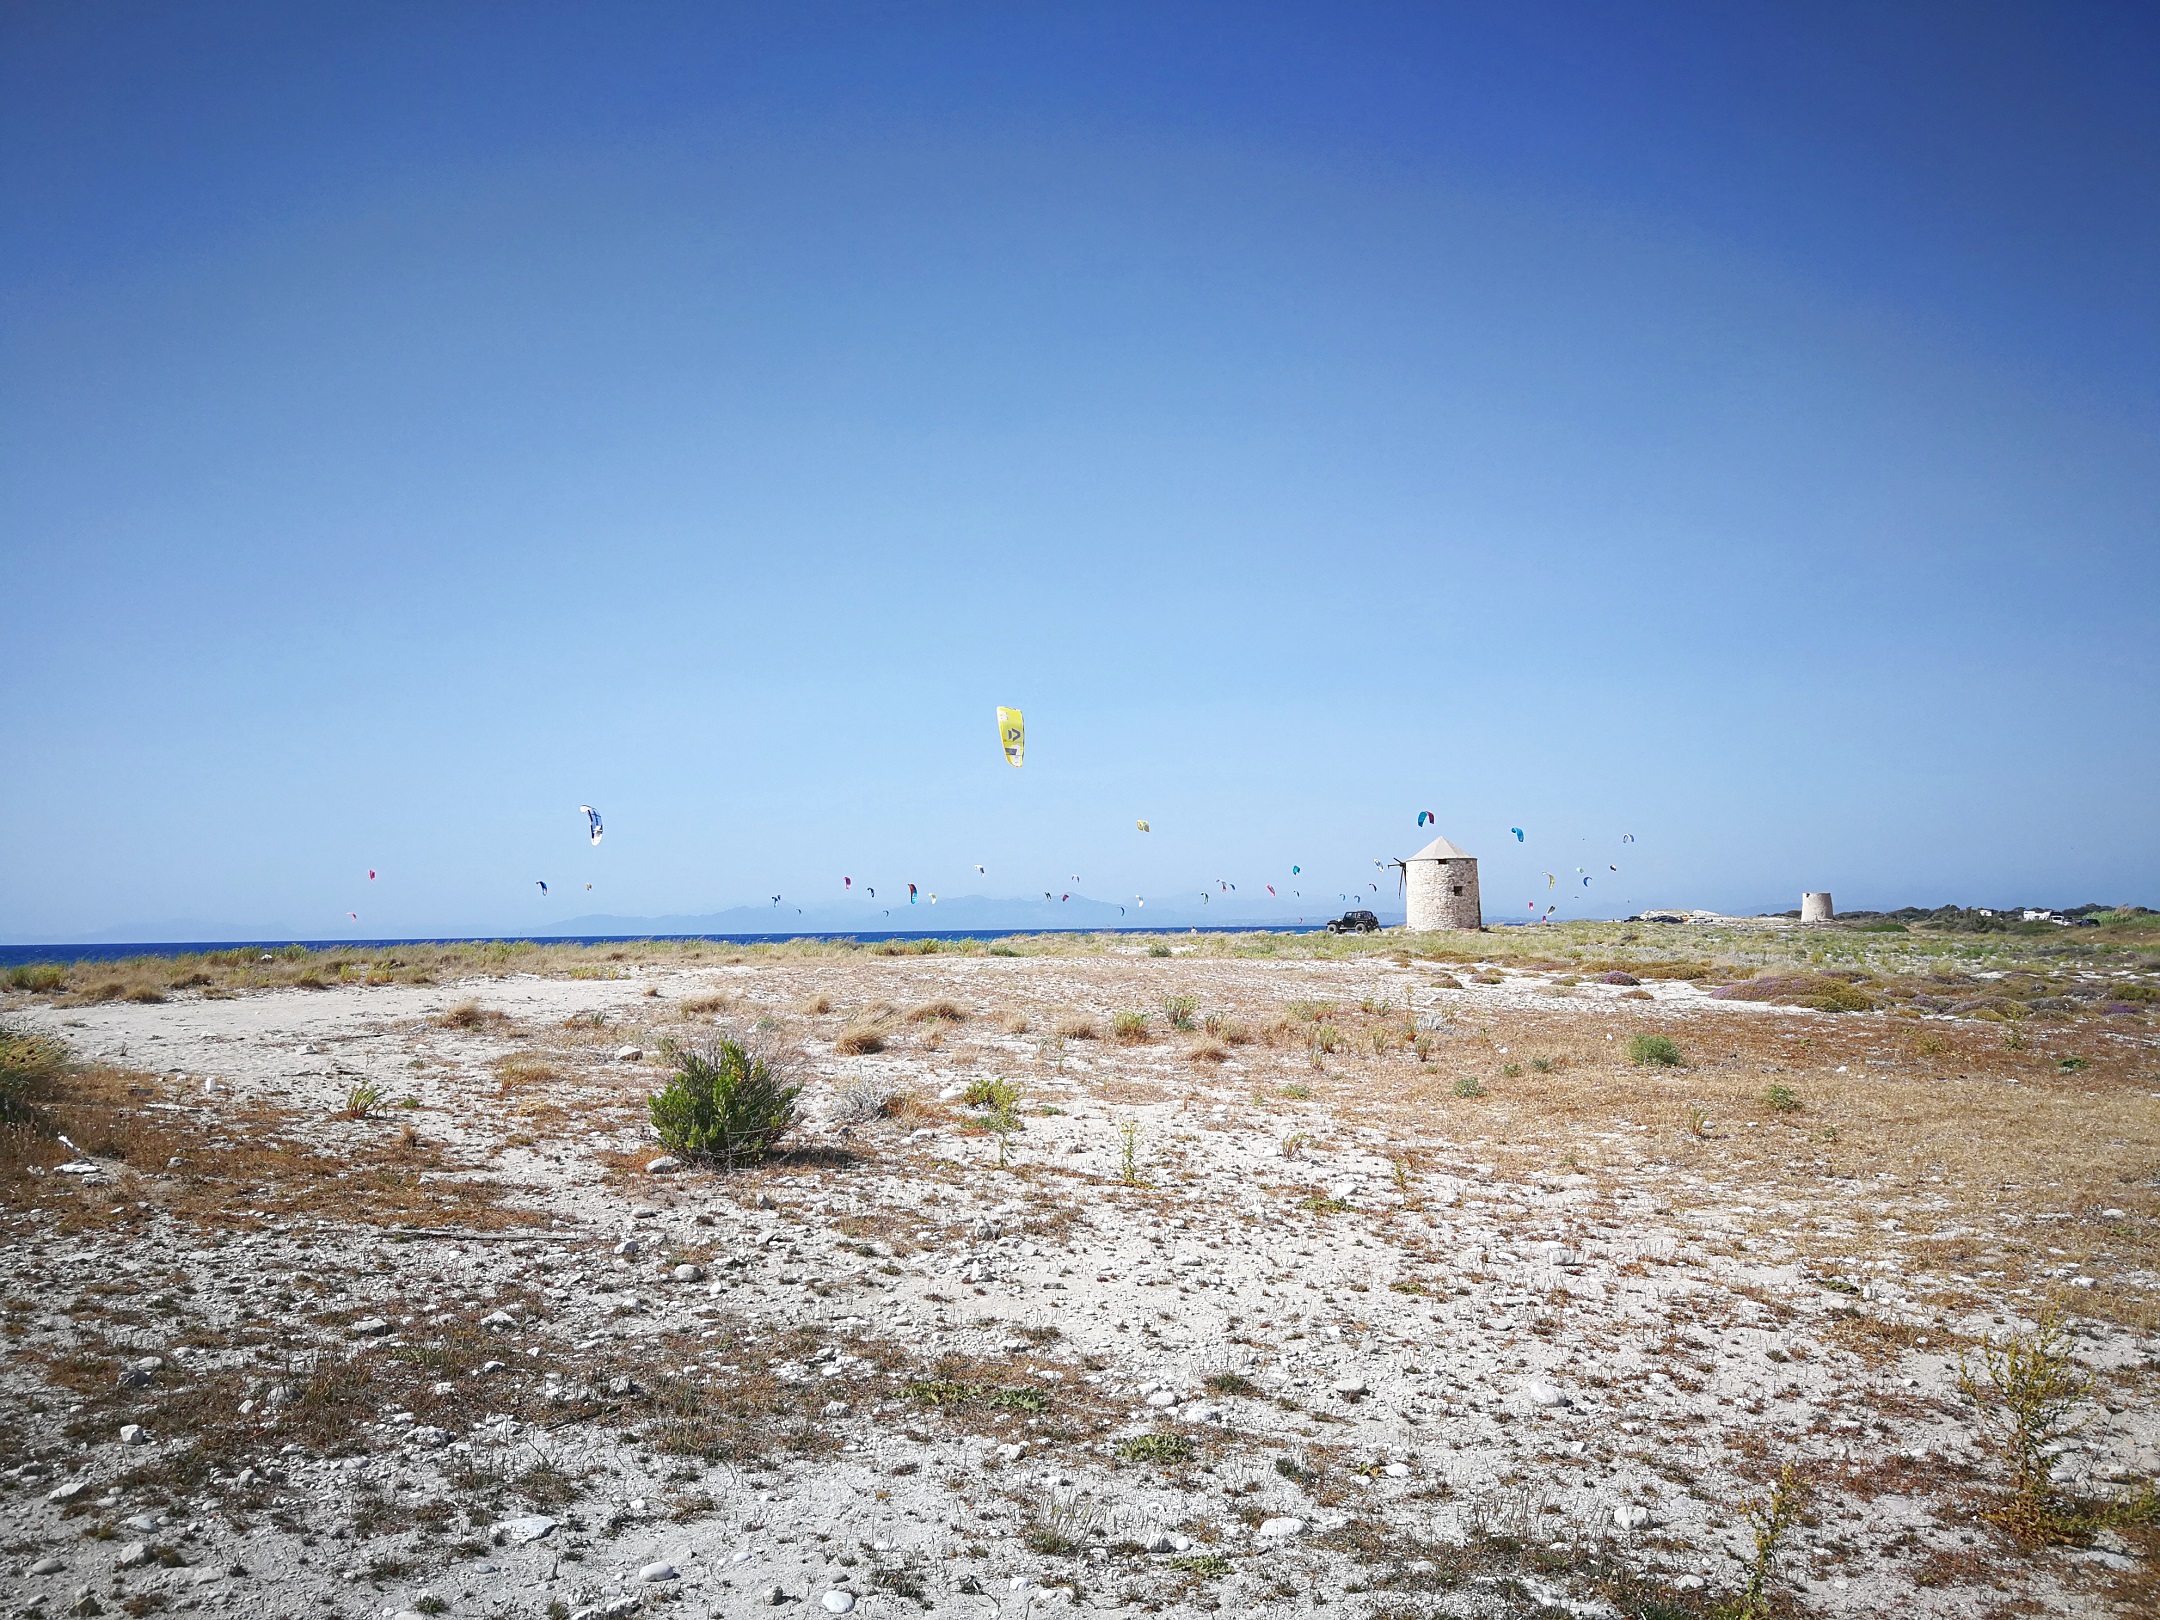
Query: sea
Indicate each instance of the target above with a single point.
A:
(12, 955)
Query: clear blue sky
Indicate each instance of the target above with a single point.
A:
(1729, 425)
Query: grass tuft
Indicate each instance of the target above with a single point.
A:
(1657, 1051)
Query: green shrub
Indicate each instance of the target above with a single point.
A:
(28, 1066)
(1657, 1050)
(1179, 1010)
(1158, 949)
(1511, 1071)
(1167, 1449)
(1469, 1086)
(725, 1103)
(1129, 1027)
(38, 976)
(1783, 1099)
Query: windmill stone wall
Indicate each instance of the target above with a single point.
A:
(1441, 886)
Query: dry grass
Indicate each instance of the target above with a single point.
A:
(1074, 1027)
(941, 1011)
(1014, 1023)
(860, 1040)
(469, 1014)
(711, 1001)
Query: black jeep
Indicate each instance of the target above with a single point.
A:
(1355, 922)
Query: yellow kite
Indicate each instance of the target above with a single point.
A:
(1013, 734)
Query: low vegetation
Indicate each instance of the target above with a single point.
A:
(727, 1103)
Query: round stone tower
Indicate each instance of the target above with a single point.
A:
(1441, 884)
(1816, 908)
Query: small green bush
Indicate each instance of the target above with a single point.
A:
(1511, 1071)
(1179, 1010)
(1158, 949)
(1129, 1026)
(1469, 1086)
(1783, 1099)
(725, 1103)
(38, 976)
(1657, 1050)
(1166, 1449)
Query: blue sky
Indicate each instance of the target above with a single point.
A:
(1728, 426)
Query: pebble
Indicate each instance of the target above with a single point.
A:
(663, 1165)
(629, 1054)
(1272, 1528)
(1689, 1583)
(1544, 1395)
(658, 1572)
(688, 1273)
(498, 1321)
(1343, 1191)
(1350, 1389)
(1397, 1470)
(133, 1556)
(1627, 1516)
(133, 1434)
(837, 1601)
(426, 1434)
(1162, 1398)
(370, 1327)
(531, 1527)
(48, 1565)
(1013, 1452)
(68, 1492)
(772, 1597)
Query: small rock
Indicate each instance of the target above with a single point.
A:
(1343, 1191)
(134, 1434)
(621, 1386)
(687, 1273)
(1544, 1395)
(498, 1321)
(1423, 1566)
(658, 1572)
(133, 1556)
(84, 1602)
(948, 1093)
(1162, 1398)
(1180, 1543)
(838, 1601)
(48, 1565)
(1627, 1516)
(1352, 1388)
(531, 1527)
(1688, 1583)
(764, 1200)
(370, 1327)
(68, 1492)
(426, 1434)
(629, 1054)
(663, 1165)
(1273, 1528)
(772, 1597)
(1013, 1452)
(140, 1521)
(1397, 1470)
(1158, 1543)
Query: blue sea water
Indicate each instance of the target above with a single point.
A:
(11, 955)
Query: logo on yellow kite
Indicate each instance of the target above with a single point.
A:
(1013, 734)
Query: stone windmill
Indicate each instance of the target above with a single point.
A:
(1440, 881)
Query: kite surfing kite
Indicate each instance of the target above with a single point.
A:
(1012, 732)
(1550, 880)
(354, 915)
(1143, 826)
(592, 821)
(1295, 870)
(847, 883)
(543, 886)
(911, 894)
(1517, 831)
(1627, 838)
(978, 867)
(1271, 888)
(1424, 816)
(371, 874)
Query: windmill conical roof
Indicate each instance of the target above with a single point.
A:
(1441, 850)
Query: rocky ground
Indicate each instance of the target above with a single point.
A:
(1389, 1286)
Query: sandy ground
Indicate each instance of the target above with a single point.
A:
(1346, 1339)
